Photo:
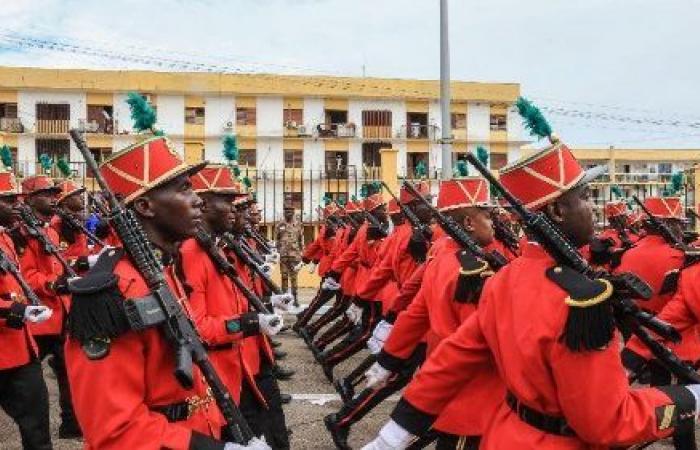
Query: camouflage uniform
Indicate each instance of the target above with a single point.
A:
(289, 237)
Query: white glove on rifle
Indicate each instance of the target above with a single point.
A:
(299, 266)
(266, 268)
(92, 259)
(272, 258)
(312, 267)
(382, 330)
(37, 314)
(374, 345)
(270, 324)
(253, 444)
(377, 376)
(330, 284)
(282, 301)
(391, 437)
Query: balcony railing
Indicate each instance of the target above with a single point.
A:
(418, 131)
(11, 125)
(58, 126)
(94, 126)
(643, 177)
(336, 130)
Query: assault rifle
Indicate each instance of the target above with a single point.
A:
(415, 222)
(8, 266)
(177, 328)
(248, 257)
(456, 232)
(626, 285)
(504, 234)
(35, 231)
(261, 241)
(77, 225)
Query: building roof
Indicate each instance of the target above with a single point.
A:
(26, 78)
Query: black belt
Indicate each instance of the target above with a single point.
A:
(541, 421)
(218, 347)
(175, 412)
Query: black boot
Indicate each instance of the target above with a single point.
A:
(344, 388)
(279, 354)
(282, 373)
(338, 433)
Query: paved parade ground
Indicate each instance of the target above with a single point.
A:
(313, 396)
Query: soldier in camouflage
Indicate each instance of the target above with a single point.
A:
(289, 235)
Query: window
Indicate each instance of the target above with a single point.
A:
(245, 116)
(292, 118)
(498, 122)
(337, 164)
(413, 159)
(100, 154)
(498, 160)
(194, 116)
(370, 153)
(55, 148)
(376, 124)
(8, 110)
(8, 118)
(247, 157)
(665, 168)
(336, 116)
(51, 111)
(293, 159)
(99, 119)
(417, 125)
(459, 120)
(293, 198)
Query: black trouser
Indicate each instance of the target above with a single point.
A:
(320, 299)
(366, 400)
(53, 345)
(660, 376)
(451, 442)
(357, 339)
(270, 421)
(24, 397)
(339, 307)
(341, 327)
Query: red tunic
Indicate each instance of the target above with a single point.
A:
(395, 264)
(214, 300)
(40, 268)
(17, 347)
(518, 326)
(362, 253)
(71, 251)
(113, 397)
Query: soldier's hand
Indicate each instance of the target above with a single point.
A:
(282, 301)
(253, 444)
(392, 436)
(354, 313)
(329, 284)
(312, 267)
(266, 268)
(270, 324)
(299, 266)
(377, 376)
(37, 314)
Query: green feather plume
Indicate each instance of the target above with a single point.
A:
(482, 155)
(46, 162)
(6, 156)
(616, 191)
(231, 149)
(327, 200)
(142, 113)
(363, 191)
(247, 183)
(342, 201)
(677, 180)
(421, 170)
(460, 169)
(534, 121)
(64, 167)
(353, 198)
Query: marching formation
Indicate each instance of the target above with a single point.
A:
(489, 304)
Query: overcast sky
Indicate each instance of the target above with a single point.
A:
(631, 62)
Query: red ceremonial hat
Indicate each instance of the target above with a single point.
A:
(635, 217)
(352, 207)
(8, 184)
(330, 209)
(546, 175)
(463, 193)
(422, 187)
(393, 207)
(68, 188)
(664, 207)
(141, 167)
(373, 201)
(37, 183)
(617, 208)
(216, 178)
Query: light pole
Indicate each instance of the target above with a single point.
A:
(446, 135)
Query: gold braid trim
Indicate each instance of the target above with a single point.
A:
(588, 302)
(484, 266)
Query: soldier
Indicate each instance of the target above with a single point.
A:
(48, 279)
(23, 393)
(125, 391)
(72, 241)
(607, 247)
(289, 236)
(560, 396)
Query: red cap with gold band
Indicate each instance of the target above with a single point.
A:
(614, 209)
(373, 202)
(544, 176)
(68, 188)
(39, 183)
(8, 184)
(352, 207)
(330, 209)
(393, 207)
(665, 207)
(141, 167)
(463, 193)
(422, 187)
(216, 178)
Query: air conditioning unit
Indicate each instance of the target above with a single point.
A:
(301, 130)
(290, 124)
(228, 126)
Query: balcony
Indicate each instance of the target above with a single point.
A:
(11, 125)
(418, 131)
(292, 129)
(336, 130)
(376, 132)
(97, 127)
(643, 177)
(57, 126)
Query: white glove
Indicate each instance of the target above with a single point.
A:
(312, 267)
(282, 301)
(271, 258)
(299, 266)
(272, 244)
(391, 437)
(270, 324)
(382, 330)
(374, 345)
(253, 444)
(266, 268)
(330, 284)
(377, 376)
(695, 390)
(92, 259)
(354, 313)
(37, 314)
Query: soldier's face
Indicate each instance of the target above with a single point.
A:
(574, 215)
(218, 212)
(7, 216)
(479, 224)
(75, 205)
(43, 202)
(240, 221)
(288, 215)
(421, 210)
(380, 213)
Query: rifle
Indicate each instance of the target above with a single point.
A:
(177, 328)
(456, 232)
(98, 205)
(9, 266)
(626, 285)
(34, 229)
(250, 232)
(374, 223)
(622, 233)
(352, 221)
(238, 248)
(224, 266)
(410, 215)
(76, 224)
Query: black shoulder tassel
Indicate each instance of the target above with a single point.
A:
(472, 274)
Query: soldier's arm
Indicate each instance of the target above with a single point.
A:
(37, 278)
(409, 329)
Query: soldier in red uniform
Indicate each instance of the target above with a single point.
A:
(124, 388)
(557, 397)
(72, 241)
(23, 393)
(608, 247)
(46, 276)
